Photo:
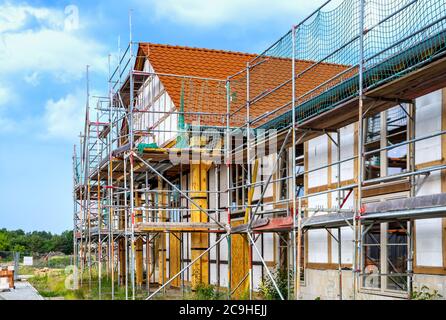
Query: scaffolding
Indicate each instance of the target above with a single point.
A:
(334, 69)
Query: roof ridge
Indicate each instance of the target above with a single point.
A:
(150, 44)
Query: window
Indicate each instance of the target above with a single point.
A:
(383, 130)
(397, 255)
(283, 175)
(372, 257)
(238, 195)
(396, 133)
(300, 169)
(373, 142)
(385, 257)
(302, 259)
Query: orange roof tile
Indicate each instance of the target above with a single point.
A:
(209, 96)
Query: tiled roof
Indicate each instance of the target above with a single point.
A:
(209, 96)
(198, 95)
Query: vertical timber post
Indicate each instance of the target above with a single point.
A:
(199, 241)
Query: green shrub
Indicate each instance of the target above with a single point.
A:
(207, 292)
(425, 294)
(268, 290)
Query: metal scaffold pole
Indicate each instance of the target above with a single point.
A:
(75, 222)
(111, 239)
(132, 145)
(249, 173)
(82, 211)
(295, 213)
(87, 177)
(99, 208)
(228, 178)
(356, 222)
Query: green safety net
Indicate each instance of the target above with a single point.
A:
(400, 36)
(143, 146)
(182, 139)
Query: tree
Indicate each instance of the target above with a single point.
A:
(4, 241)
(36, 242)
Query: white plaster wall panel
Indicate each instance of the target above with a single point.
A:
(184, 201)
(268, 249)
(224, 250)
(223, 216)
(429, 243)
(224, 275)
(173, 127)
(189, 245)
(213, 252)
(317, 239)
(167, 127)
(432, 185)
(151, 119)
(223, 186)
(316, 202)
(290, 173)
(317, 246)
(428, 121)
(349, 200)
(346, 233)
(157, 109)
(317, 157)
(147, 66)
(429, 232)
(213, 271)
(259, 245)
(346, 246)
(345, 196)
(161, 133)
(155, 86)
(268, 169)
(259, 177)
(189, 274)
(334, 158)
(347, 151)
(257, 277)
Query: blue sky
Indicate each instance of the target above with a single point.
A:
(44, 48)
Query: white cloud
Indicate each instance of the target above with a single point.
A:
(64, 118)
(46, 40)
(236, 12)
(63, 54)
(45, 43)
(16, 17)
(7, 96)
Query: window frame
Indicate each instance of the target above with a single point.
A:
(384, 274)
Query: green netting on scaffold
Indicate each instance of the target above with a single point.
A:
(400, 36)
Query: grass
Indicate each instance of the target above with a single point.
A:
(50, 285)
(53, 285)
